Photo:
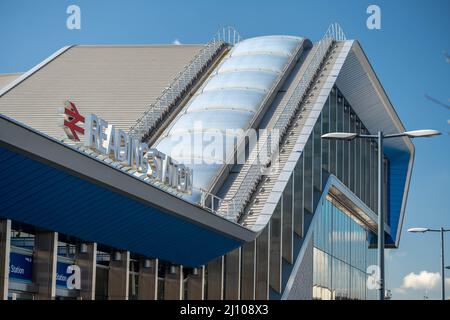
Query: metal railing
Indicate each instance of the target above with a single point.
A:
(234, 207)
(228, 35)
(169, 98)
(212, 202)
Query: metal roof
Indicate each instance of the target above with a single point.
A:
(7, 78)
(118, 83)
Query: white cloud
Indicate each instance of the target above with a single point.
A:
(399, 290)
(422, 280)
(176, 42)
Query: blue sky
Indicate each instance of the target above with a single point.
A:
(408, 55)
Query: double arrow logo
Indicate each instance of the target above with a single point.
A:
(71, 118)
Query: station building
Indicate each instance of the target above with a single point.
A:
(197, 171)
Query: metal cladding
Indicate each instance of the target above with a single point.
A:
(115, 82)
(228, 101)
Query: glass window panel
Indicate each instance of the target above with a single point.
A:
(340, 143)
(298, 197)
(275, 247)
(376, 178)
(308, 175)
(277, 45)
(260, 62)
(227, 99)
(287, 235)
(317, 156)
(251, 80)
(352, 153)
(358, 161)
(341, 256)
(333, 128)
(325, 129)
(367, 171)
(347, 128)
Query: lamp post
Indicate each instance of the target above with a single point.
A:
(441, 231)
(348, 136)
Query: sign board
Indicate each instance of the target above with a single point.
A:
(68, 276)
(121, 147)
(20, 267)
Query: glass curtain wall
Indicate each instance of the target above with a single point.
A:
(341, 255)
(340, 273)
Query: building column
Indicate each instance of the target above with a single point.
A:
(5, 248)
(233, 275)
(86, 259)
(215, 279)
(196, 284)
(173, 283)
(262, 264)
(248, 271)
(44, 264)
(119, 276)
(276, 248)
(148, 279)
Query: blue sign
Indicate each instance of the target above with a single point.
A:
(61, 274)
(20, 267)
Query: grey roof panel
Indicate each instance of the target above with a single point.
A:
(118, 83)
(7, 78)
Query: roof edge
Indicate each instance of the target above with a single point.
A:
(33, 70)
(365, 63)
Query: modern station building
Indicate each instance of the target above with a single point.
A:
(197, 171)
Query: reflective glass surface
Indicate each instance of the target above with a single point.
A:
(341, 255)
(230, 98)
(227, 99)
(262, 62)
(279, 45)
(251, 80)
(214, 119)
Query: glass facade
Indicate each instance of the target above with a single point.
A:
(341, 245)
(341, 255)
(261, 269)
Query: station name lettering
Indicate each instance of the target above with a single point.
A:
(124, 148)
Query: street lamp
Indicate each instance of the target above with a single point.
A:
(441, 230)
(348, 136)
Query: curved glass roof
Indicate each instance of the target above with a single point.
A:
(275, 45)
(230, 98)
(212, 146)
(212, 120)
(240, 99)
(252, 80)
(262, 62)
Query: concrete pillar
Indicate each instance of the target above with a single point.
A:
(86, 259)
(5, 248)
(148, 279)
(173, 283)
(196, 285)
(119, 276)
(215, 279)
(44, 264)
